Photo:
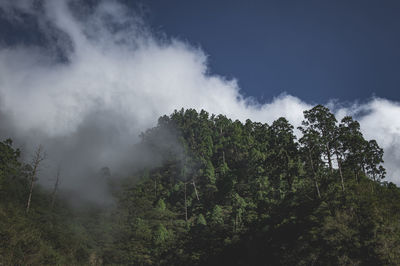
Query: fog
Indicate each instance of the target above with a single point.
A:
(99, 76)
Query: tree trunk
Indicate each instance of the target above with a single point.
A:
(53, 196)
(235, 223)
(28, 205)
(329, 158)
(340, 170)
(186, 213)
(195, 190)
(155, 188)
(289, 176)
(314, 175)
(37, 159)
(363, 169)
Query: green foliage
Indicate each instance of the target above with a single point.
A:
(217, 217)
(225, 193)
(161, 205)
(201, 220)
(161, 235)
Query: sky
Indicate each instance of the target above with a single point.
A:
(85, 78)
(317, 50)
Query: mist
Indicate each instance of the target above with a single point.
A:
(101, 76)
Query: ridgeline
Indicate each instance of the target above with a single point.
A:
(226, 193)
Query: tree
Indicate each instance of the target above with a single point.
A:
(311, 150)
(320, 122)
(201, 220)
(56, 184)
(9, 165)
(38, 157)
(358, 153)
(283, 151)
(351, 145)
(373, 161)
(161, 235)
(161, 205)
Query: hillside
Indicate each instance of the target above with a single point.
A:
(220, 192)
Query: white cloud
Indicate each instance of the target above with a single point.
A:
(123, 78)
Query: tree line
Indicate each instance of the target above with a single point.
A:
(226, 192)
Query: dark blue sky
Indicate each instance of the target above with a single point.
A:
(317, 50)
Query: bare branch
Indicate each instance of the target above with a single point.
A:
(53, 195)
(38, 157)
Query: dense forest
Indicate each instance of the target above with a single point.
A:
(225, 193)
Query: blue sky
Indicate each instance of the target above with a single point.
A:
(317, 50)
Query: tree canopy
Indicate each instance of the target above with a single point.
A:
(226, 192)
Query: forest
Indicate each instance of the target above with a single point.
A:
(224, 193)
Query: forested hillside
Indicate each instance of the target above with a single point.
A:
(225, 193)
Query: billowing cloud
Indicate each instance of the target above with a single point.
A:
(103, 77)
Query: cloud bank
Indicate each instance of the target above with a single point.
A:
(102, 76)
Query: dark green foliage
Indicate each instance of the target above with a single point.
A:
(45, 236)
(223, 193)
